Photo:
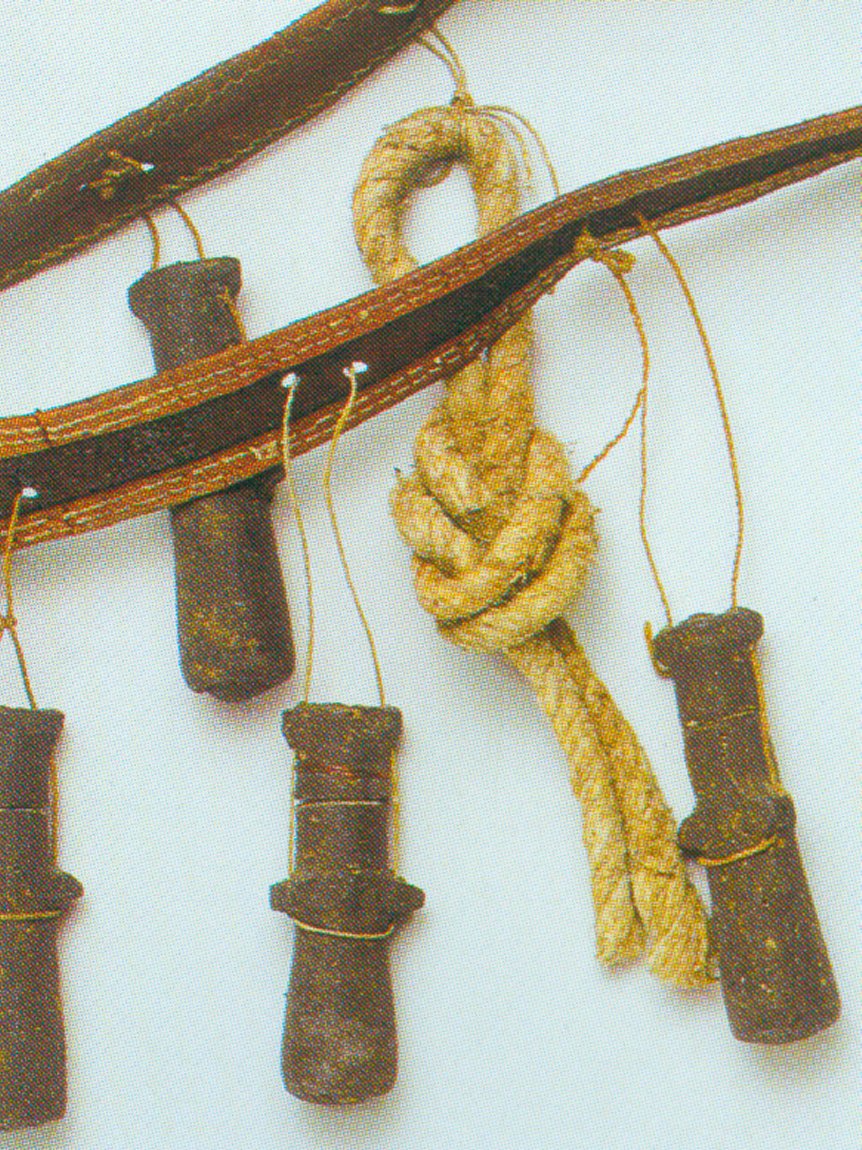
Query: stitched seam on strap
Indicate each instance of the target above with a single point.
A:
(200, 175)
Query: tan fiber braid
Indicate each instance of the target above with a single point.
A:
(502, 542)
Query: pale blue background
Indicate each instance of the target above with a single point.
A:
(175, 808)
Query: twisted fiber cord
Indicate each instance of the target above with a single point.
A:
(678, 941)
(502, 543)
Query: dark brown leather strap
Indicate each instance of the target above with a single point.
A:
(203, 426)
(196, 131)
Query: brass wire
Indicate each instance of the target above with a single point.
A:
(719, 395)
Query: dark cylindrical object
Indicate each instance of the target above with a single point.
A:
(775, 973)
(232, 615)
(339, 1033)
(34, 897)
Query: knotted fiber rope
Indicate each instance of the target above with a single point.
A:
(502, 541)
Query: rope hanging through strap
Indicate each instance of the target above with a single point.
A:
(503, 539)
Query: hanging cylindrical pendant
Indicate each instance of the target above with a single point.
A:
(775, 973)
(232, 614)
(34, 897)
(339, 1036)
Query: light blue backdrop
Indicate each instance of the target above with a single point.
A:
(175, 809)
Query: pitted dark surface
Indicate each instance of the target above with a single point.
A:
(34, 897)
(340, 1040)
(233, 620)
(775, 973)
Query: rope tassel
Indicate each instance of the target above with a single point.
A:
(503, 539)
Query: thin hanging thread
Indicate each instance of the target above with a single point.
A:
(189, 222)
(157, 242)
(122, 166)
(346, 411)
(500, 113)
(306, 559)
(591, 249)
(450, 58)
(719, 395)
(226, 297)
(154, 233)
(395, 793)
(766, 737)
(293, 502)
(8, 622)
(619, 263)
(619, 267)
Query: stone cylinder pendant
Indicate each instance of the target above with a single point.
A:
(339, 1035)
(775, 973)
(232, 615)
(34, 898)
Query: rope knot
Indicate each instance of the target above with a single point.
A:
(524, 556)
(502, 540)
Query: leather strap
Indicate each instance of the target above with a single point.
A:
(196, 131)
(206, 425)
